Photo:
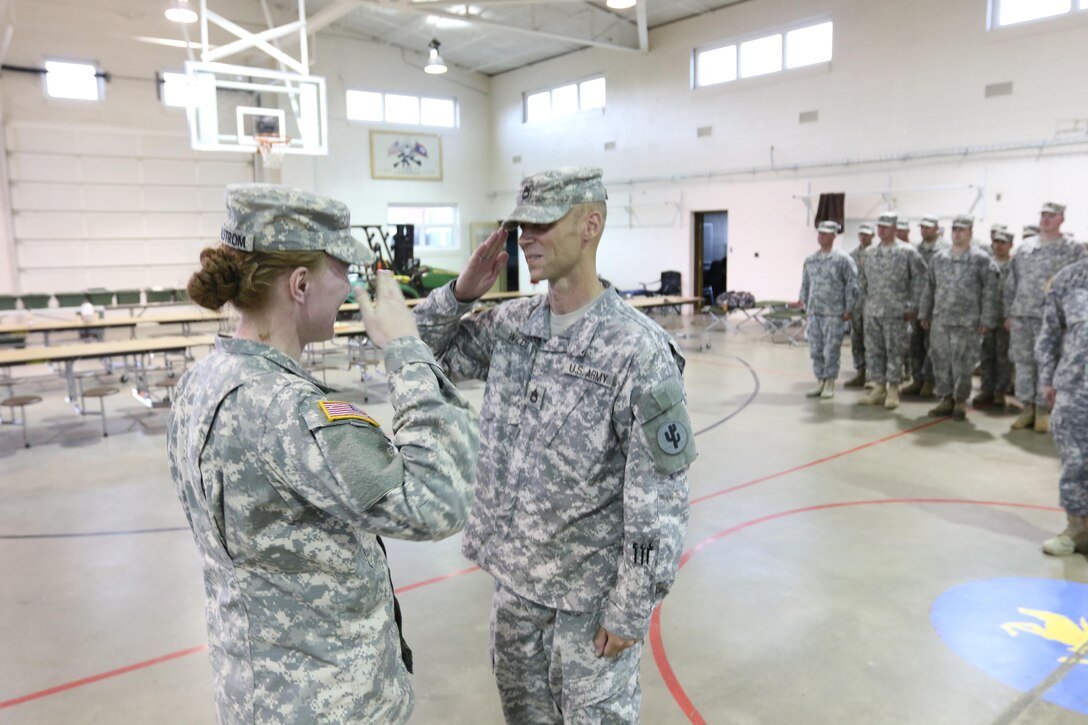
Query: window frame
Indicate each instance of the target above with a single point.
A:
(577, 83)
(421, 228)
(456, 116)
(1077, 12)
(783, 72)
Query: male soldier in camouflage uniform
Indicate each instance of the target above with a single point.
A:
(1036, 262)
(996, 366)
(921, 366)
(891, 282)
(1062, 354)
(857, 319)
(582, 495)
(994, 229)
(286, 491)
(902, 230)
(959, 304)
(829, 290)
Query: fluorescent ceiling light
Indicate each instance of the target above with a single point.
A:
(620, 4)
(181, 12)
(435, 64)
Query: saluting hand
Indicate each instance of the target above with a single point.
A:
(387, 317)
(483, 268)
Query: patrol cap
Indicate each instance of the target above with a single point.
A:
(271, 218)
(828, 227)
(887, 219)
(548, 196)
(1052, 208)
(866, 229)
(1003, 235)
(963, 221)
(1031, 230)
(998, 227)
(929, 220)
(902, 224)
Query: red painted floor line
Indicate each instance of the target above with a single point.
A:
(435, 580)
(103, 676)
(818, 461)
(657, 644)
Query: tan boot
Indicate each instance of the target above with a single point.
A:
(1042, 420)
(876, 396)
(1026, 419)
(1070, 541)
(945, 407)
(891, 401)
(914, 388)
(959, 410)
(829, 389)
(858, 381)
(815, 392)
(926, 393)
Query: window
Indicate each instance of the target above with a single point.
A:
(565, 100)
(77, 81)
(435, 226)
(1014, 12)
(400, 108)
(795, 48)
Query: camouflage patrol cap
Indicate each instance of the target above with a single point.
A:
(887, 219)
(828, 227)
(271, 218)
(998, 228)
(866, 229)
(1031, 230)
(963, 221)
(903, 224)
(929, 220)
(1052, 207)
(548, 196)
(1003, 235)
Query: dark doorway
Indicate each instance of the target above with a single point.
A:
(711, 254)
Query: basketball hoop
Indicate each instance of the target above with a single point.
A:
(272, 148)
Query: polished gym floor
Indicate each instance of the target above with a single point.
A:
(844, 565)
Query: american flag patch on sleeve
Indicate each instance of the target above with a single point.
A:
(340, 410)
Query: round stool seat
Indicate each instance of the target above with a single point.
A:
(21, 400)
(100, 392)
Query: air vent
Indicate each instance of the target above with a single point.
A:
(610, 146)
(704, 131)
(516, 160)
(809, 117)
(999, 89)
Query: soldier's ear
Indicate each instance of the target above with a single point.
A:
(592, 225)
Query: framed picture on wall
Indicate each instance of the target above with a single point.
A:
(413, 156)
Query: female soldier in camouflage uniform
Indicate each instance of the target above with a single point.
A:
(286, 490)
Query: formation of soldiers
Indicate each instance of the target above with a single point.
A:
(937, 310)
(940, 309)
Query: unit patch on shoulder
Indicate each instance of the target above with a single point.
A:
(339, 410)
(672, 437)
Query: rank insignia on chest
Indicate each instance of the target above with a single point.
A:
(672, 437)
(591, 374)
(339, 410)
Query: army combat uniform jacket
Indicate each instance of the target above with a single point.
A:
(891, 279)
(829, 283)
(961, 290)
(1032, 265)
(285, 492)
(581, 491)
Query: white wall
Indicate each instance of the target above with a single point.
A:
(109, 194)
(905, 77)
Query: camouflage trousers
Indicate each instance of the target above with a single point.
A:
(954, 350)
(547, 669)
(1069, 425)
(825, 333)
(885, 348)
(996, 366)
(857, 340)
(921, 362)
(1022, 338)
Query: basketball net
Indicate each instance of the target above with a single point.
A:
(271, 148)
